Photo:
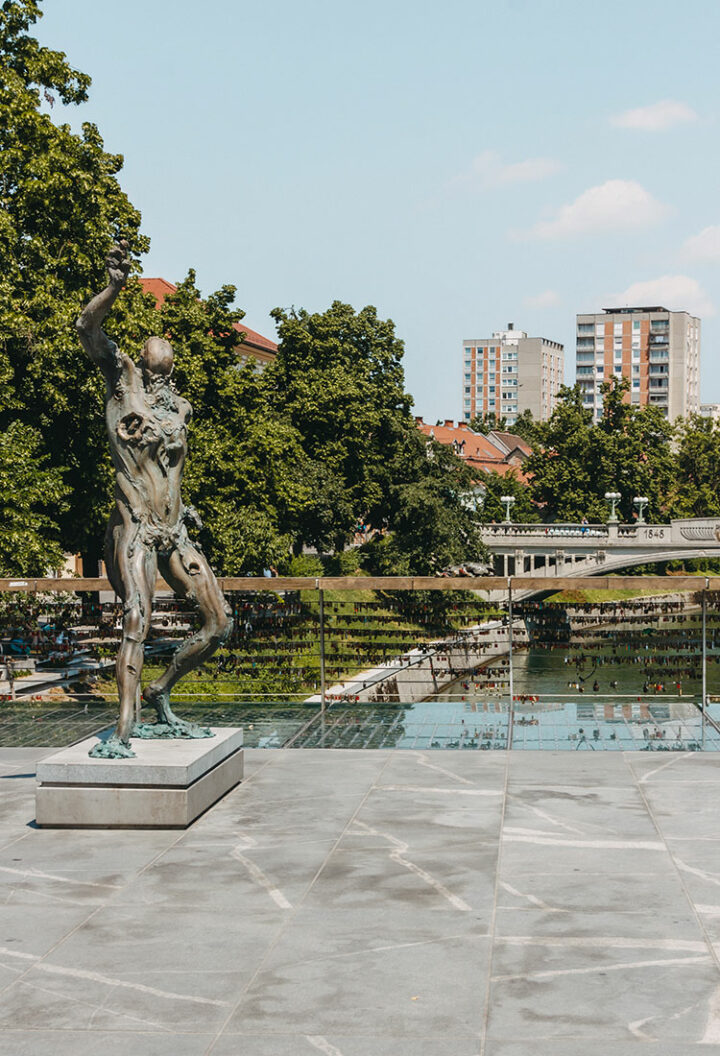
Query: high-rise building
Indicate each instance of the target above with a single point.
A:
(656, 350)
(509, 373)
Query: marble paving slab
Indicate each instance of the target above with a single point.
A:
(375, 903)
(175, 763)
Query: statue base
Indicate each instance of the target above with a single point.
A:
(167, 785)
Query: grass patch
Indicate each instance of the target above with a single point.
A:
(593, 597)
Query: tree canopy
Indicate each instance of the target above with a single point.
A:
(576, 462)
(60, 207)
(29, 538)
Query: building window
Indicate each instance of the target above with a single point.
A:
(586, 328)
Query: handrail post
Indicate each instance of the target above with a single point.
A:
(321, 596)
(510, 644)
(704, 658)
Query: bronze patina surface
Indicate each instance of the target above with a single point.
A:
(147, 424)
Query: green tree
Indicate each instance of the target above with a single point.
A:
(526, 427)
(560, 467)
(338, 381)
(29, 539)
(523, 510)
(576, 462)
(697, 490)
(631, 453)
(487, 423)
(60, 207)
(431, 515)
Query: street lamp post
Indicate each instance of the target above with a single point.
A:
(509, 501)
(613, 498)
(641, 501)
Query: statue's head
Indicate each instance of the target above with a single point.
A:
(156, 357)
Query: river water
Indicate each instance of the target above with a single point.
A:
(628, 684)
(626, 681)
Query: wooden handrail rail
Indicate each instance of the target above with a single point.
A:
(32, 584)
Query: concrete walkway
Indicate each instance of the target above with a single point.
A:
(360, 903)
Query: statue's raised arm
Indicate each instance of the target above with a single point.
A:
(101, 350)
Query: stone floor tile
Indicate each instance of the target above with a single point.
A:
(258, 878)
(102, 1043)
(587, 1047)
(602, 988)
(362, 877)
(335, 1045)
(390, 973)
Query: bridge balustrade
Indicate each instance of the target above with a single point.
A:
(542, 531)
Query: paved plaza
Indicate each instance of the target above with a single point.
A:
(376, 903)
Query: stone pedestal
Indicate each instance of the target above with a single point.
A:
(167, 785)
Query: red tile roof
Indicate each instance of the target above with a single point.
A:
(477, 450)
(161, 288)
(254, 339)
(512, 440)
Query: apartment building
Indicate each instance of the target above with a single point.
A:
(710, 410)
(658, 351)
(509, 373)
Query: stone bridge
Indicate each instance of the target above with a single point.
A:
(597, 549)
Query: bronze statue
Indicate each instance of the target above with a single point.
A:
(147, 427)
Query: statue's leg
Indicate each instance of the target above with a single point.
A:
(132, 570)
(190, 576)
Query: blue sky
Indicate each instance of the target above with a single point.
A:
(458, 165)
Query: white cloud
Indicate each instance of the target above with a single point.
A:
(546, 299)
(676, 292)
(489, 170)
(704, 246)
(656, 117)
(610, 206)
